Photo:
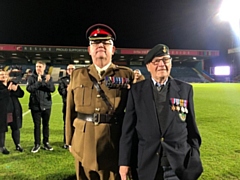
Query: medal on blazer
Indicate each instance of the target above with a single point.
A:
(185, 106)
(182, 116)
(173, 104)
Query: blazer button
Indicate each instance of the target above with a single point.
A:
(162, 139)
(97, 109)
(98, 96)
(157, 153)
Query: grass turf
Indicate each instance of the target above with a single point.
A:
(217, 113)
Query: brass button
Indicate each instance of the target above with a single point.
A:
(97, 109)
(98, 96)
(162, 139)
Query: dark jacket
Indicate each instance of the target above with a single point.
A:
(62, 88)
(5, 96)
(40, 92)
(4, 100)
(179, 138)
(17, 112)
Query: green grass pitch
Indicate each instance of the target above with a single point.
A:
(217, 109)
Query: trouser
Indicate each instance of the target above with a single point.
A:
(166, 173)
(2, 139)
(37, 116)
(15, 137)
(87, 174)
(15, 134)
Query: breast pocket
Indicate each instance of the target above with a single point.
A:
(83, 94)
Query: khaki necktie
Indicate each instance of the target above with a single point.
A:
(101, 73)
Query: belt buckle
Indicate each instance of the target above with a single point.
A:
(96, 118)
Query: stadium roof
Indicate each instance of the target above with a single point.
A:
(70, 54)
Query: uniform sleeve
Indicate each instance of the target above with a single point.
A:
(71, 114)
(194, 138)
(128, 129)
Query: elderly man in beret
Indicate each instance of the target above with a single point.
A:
(96, 100)
(161, 111)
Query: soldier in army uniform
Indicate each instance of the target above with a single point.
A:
(62, 89)
(96, 101)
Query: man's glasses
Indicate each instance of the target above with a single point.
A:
(101, 41)
(165, 61)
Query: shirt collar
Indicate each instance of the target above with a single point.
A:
(102, 69)
(155, 82)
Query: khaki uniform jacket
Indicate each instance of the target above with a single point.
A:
(95, 146)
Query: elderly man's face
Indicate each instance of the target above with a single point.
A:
(160, 67)
(101, 52)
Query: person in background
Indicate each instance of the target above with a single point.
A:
(40, 87)
(138, 76)
(11, 111)
(96, 101)
(62, 89)
(161, 111)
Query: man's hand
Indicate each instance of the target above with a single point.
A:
(39, 78)
(47, 77)
(123, 171)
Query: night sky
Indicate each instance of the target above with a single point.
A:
(180, 24)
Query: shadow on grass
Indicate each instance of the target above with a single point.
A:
(48, 177)
(237, 151)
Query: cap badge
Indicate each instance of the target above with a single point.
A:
(164, 49)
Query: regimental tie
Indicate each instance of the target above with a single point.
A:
(101, 73)
(159, 86)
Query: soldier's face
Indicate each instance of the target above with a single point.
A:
(101, 52)
(40, 68)
(160, 67)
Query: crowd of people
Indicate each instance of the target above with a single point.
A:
(117, 124)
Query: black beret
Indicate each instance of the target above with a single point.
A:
(156, 51)
(100, 32)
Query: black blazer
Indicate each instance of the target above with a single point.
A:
(180, 139)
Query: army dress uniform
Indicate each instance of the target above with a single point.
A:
(95, 145)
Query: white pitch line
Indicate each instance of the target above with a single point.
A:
(28, 111)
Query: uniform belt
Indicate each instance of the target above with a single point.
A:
(97, 118)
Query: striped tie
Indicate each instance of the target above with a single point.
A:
(159, 87)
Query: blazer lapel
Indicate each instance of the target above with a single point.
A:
(173, 93)
(148, 99)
